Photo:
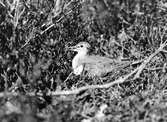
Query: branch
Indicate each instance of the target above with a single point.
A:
(156, 68)
(52, 25)
(2, 4)
(78, 90)
(8, 94)
(104, 86)
(148, 59)
(165, 51)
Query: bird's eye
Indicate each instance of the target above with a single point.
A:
(81, 46)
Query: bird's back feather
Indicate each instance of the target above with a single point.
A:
(98, 65)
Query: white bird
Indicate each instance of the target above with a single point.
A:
(94, 65)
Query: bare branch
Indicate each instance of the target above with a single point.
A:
(104, 86)
(148, 59)
(2, 4)
(165, 51)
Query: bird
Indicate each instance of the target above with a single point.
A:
(93, 65)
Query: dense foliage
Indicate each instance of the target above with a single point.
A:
(35, 62)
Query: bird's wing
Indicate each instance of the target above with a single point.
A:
(99, 69)
(97, 59)
(93, 69)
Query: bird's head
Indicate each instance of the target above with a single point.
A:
(81, 47)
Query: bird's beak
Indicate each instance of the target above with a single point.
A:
(71, 48)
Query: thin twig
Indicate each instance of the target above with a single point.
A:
(68, 77)
(52, 25)
(156, 68)
(31, 35)
(2, 4)
(165, 51)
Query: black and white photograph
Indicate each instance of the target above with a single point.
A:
(83, 61)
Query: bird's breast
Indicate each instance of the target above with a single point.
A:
(78, 70)
(77, 65)
(77, 61)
